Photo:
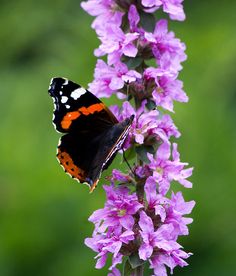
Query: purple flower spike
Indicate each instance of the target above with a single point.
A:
(142, 215)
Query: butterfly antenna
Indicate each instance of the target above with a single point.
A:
(126, 161)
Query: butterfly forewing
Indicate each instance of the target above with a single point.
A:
(75, 108)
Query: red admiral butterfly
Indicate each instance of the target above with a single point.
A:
(93, 134)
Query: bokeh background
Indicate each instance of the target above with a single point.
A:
(43, 213)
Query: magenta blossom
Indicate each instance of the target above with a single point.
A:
(159, 247)
(103, 245)
(146, 124)
(118, 211)
(115, 42)
(175, 214)
(160, 239)
(104, 10)
(120, 176)
(109, 80)
(166, 170)
(155, 200)
(173, 7)
(172, 259)
(168, 50)
(167, 88)
(114, 272)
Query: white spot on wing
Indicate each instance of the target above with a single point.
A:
(60, 92)
(67, 106)
(64, 99)
(76, 94)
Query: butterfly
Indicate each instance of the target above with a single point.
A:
(92, 134)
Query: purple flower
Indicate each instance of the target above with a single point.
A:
(168, 50)
(104, 10)
(115, 42)
(160, 247)
(172, 259)
(114, 272)
(155, 200)
(166, 170)
(175, 212)
(146, 123)
(142, 171)
(120, 176)
(113, 243)
(160, 239)
(173, 7)
(167, 88)
(133, 18)
(118, 211)
(109, 80)
(171, 211)
(104, 244)
(166, 128)
(94, 244)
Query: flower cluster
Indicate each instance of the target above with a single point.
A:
(142, 217)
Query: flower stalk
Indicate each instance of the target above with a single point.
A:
(142, 217)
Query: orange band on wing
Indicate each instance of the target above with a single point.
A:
(92, 108)
(69, 166)
(70, 116)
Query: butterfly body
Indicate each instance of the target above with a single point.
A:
(92, 134)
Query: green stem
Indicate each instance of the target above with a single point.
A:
(140, 189)
(138, 271)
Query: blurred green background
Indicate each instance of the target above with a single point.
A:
(43, 213)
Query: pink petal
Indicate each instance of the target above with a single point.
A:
(101, 261)
(163, 152)
(116, 83)
(130, 50)
(145, 223)
(145, 251)
(127, 222)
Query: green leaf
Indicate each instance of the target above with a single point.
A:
(135, 261)
(147, 21)
(142, 152)
(133, 63)
(130, 153)
(127, 269)
(130, 97)
(151, 105)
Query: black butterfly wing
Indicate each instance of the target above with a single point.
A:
(84, 157)
(110, 143)
(93, 134)
(75, 108)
